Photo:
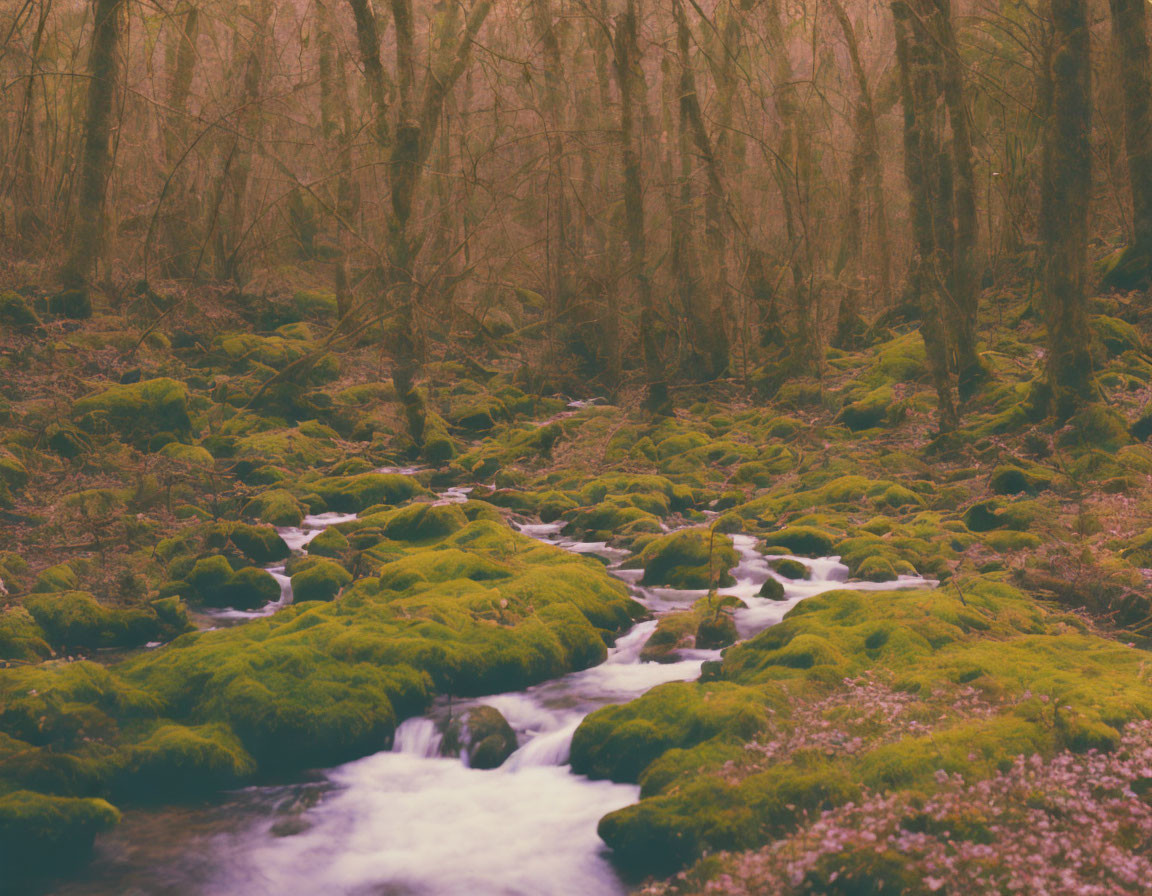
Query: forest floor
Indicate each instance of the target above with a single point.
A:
(987, 734)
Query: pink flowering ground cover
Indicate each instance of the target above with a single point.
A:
(1072, 824)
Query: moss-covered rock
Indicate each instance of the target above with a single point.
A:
(180, 761)
(21, 637)
(41, 834)
(789, 568)
(804, 541)
(1010, 479)
(772, 589)
(137, 412)
(75, 619)
(491, 739)
(421, 522)
(260, 544)
(693, 558)
(352, 494)
(276, 506)
(60, 577)
(322, 580)
(16, 314)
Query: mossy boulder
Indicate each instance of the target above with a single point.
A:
(42, 834)
(213, 583)
(352, 494)
(1009, 479)
(276, 506)
(693, 558)
(17, 315)
(789, 568)
(21, 637)
(137, 412)
(76, 620)
(248, 589)
(260, 544)
(322, 580)
(180, 761)
(716, 631)
(619, 742)
(772, 589)
(803, 541)
(60, 577)
(13, 473)
(491, 739)
(422, 522)
(868, 412)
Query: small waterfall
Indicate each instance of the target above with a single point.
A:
(553, 748)
(418, 737)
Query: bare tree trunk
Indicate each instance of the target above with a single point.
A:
(336, 127)
(870, 168)
(921, 93)
(178, 236)
(712, 311)
(792, 170)
(1066, 191)
(963, 282)
(1130, 34)
(96, 161)
(630, 78)
(368, 40)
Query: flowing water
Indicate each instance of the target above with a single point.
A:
(410, 822)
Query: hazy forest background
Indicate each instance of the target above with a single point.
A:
(789, 359)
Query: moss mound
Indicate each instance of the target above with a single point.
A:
(694, 558)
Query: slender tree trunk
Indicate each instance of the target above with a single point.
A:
(792, 169)
(1066, 191)
(178, 236)
(963, 283)
(630, 78)
(921, 94)
(96, 161)
(711, 311)
(1130, 34)
(870, 168)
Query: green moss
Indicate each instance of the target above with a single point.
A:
(619, 742)
(772, 589)
(804, 541)
(693, 558)
(41, 834)
(790, 569)
(868, 412)
(16, 315)
(322, 580)
(21, 637)
(329, 543)
(60, 577)
(260, 544)
(352, 494)
(1010, 479)
(189, 455)
(491, 739)
(137, 412)
(75, 619)
(276, 506)
(178, 760)
(13, 473)
(421, 522)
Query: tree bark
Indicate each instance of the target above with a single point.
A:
(630, 78)
(922, 94)
(96, 161)
(1130, 34)
(1066, 186)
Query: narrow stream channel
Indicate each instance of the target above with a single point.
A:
(409, 822)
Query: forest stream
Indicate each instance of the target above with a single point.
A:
(411, 821)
